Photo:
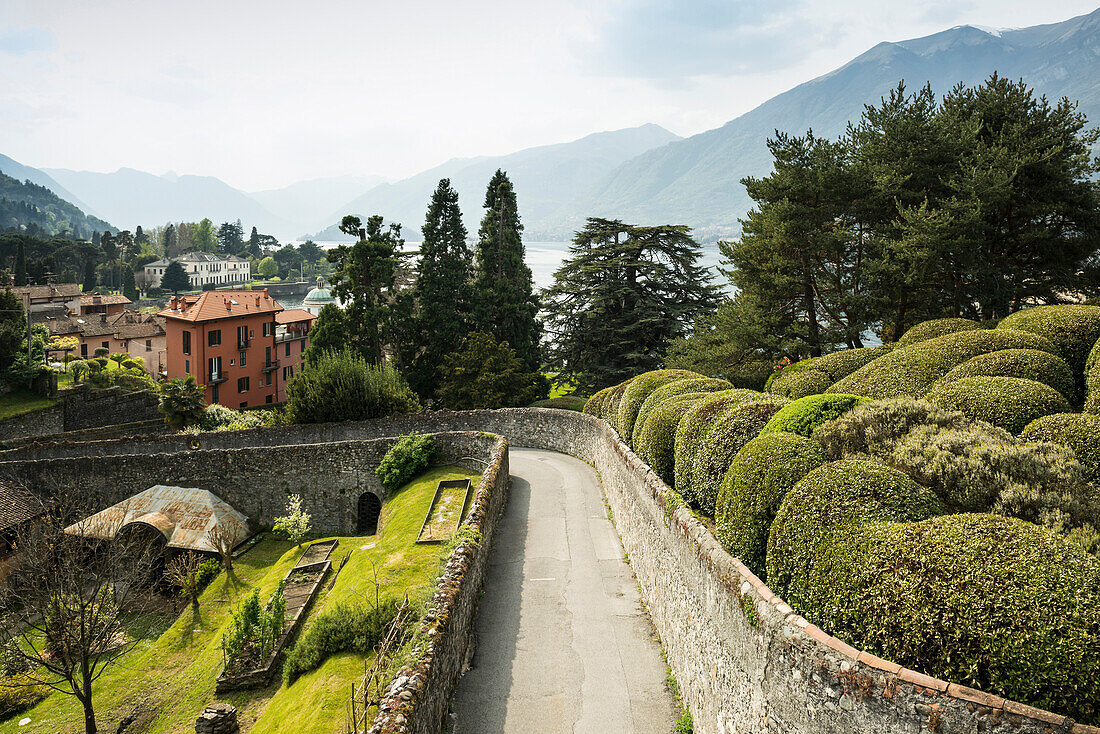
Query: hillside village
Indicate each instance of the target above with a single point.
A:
(847, 481)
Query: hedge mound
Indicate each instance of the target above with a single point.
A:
(671, 390)
(985, 601)
(1027, 364)
(1072, 329)
(595, 404)
(761, 474)
(1079, 431)
(1092, 381)
(805, 414)
(911, 371)
(729, 431)
(637, 391)
(611, 403)
(1007, 402)
(935, 328)
(655, 443)
(808, 376)
(697, 421)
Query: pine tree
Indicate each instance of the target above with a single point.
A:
(441, 299)
(622, 296)
(129, 287)
(140, 237)
(175, 278)
(171, 241)
(504, 301)
(20, 264)
(89, 275)
(254, 244)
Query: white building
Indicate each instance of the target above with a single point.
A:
(203, 268)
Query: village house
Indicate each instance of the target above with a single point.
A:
(291, 342)
(137, 334)
(109, 304)
(48, 300)
(226, 341)
(203, 268)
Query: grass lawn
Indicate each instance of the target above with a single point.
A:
(171, 679)
(18, 402)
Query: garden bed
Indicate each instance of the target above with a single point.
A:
(452, 498)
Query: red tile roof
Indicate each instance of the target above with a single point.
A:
(213, 305)
(293, 316)
(109, 299)
(41, 292)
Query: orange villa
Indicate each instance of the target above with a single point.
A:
(227, 341)
(291, 341)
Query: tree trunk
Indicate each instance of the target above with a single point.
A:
(89, 715)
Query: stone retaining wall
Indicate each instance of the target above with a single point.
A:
(80, 408)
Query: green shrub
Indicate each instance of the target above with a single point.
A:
(216, 415)
(408, 456)
(794, 384)
(730, 430)
(672, 390)
(637, 391)
(1072, 329)
(253, 630)
(20, 692)
(341, 386)
(805, 414)
(815, 375)
(761, 474)
(565, 402)
(911, 371)
(182, 401)
(876, 427)
(1007, 402)
(1078, 431)
(1092, 381)
(981, 600)
(936, 327)
(344, 628)
(611, 405)
(1027, 364)
(697, 421)
(655, 443)
(595, 404)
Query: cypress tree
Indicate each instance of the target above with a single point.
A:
(20, 265)
(175, 278)
(89, 274)
(140, 237)
(505, 304)
(441, 295)
(129, 287)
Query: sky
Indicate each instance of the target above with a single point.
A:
(262, 94)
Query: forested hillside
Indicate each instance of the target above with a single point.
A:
(37, 209)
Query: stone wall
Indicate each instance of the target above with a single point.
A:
(256, 480)
(80, 408)
(36, 423)
(419, 697)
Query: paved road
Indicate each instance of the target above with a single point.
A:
(564, 645)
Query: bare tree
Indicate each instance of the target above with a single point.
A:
(180, 571)
(224, 536)
(71, 598)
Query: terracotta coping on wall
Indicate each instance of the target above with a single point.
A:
(691, 526)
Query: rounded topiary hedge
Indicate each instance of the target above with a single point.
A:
(1028, 364)
(762, 473)
(935, 328)
(595, 404)
(611, 403)
(1072, 329)
(637, 391)
(911, 371)
(805, 414)
(814, 375)
(1007, 402)
(671, 390)
(655, 443)
(1092, 381)
(689, 434)
(983, 600)
(1079, 431)
(729, 431)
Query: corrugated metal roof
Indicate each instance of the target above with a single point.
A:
(183, 515)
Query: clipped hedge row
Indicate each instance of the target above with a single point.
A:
(911, 371)
(1092, 381)
(689, 434)
(730, 430)
(672, 390)
(1027, 364)
(935, 328)
(805, 414)
(1006, 402)
(655, 443)
(982, 600)
(814, 375)
(595, 404)
(761, 474)
(1072, 329)
(635, 394)
(1078, 431)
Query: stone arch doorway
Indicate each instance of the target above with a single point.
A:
(366, 519)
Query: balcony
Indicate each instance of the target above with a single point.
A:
(272, 365)
(243, 343)
(216, 377)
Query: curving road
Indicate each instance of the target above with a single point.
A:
(564, 645)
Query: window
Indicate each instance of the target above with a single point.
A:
(270, 399)
(83, 351)
(288, 349)
(304, 345)
(288, 372)
(268, 328)
(106, 345)
(187, 342)
(214, 393)
(215, 365)
(242, 336)
(214, 337)
(187, 366)
(242, 384)
(244, 404)
(148, 345)
(242, 358)
(267, 353)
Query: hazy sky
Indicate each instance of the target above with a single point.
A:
(261, 94)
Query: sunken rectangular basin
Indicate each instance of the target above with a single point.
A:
(445, 514)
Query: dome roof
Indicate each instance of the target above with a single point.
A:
(319, 295)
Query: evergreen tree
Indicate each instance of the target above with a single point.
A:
(328, 333)
(21, 264)
(365, 279)
(504, 301)
(254, 244)
(175, 278)
(140, 237)
(13, 328)
(486, 374)
(95, 238)
(129, 287)
(622, 296)
(231, 238)
(171, 241)
(440, 297)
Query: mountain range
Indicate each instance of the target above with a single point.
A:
(644, 175)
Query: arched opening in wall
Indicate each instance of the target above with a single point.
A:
(143, 551)
(370, 507)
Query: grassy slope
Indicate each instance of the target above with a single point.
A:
(174, 675)
(18, 402)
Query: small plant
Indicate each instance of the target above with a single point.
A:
(191, 574)
(684, 724)
(253, 631)
(182, 401)
(296, 522)
(409, 456)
